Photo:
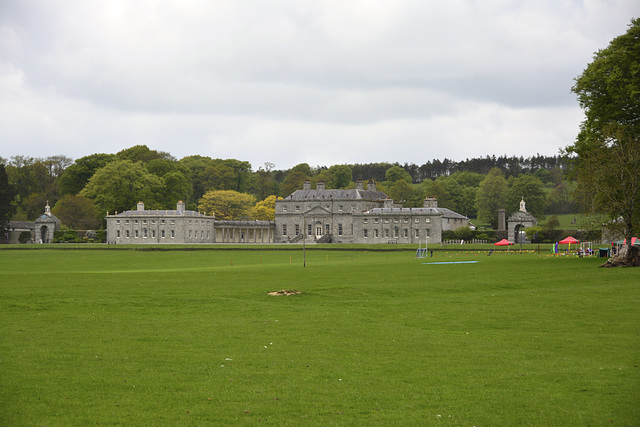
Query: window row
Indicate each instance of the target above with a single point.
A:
(395, 232)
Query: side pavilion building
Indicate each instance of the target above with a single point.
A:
(143, 226)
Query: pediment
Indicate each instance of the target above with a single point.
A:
(317, 210)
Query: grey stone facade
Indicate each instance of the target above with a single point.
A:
(142, 226)
(518, 222)
(359, 216)
(42, 230)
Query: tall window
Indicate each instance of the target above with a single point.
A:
(417, 233)
(365, 233)
(339, 229)
(284, 229)
(326, 229)
(308, 229)
(297, 229)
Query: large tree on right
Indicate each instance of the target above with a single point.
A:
(606, 153)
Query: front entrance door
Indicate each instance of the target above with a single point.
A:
(319, 231)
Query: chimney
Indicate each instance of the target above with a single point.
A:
(140, 206)
(430, 202)
(371, 185)
(320, 185)
(359, 184)
(180, 206)
(306, 185)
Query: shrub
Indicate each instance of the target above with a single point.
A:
(24, 237)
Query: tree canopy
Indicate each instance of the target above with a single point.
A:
(606, 154)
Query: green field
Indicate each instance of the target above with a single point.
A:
(375, 338)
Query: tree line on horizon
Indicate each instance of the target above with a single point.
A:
(83, 191)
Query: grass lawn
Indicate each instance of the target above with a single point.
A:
(375, 338)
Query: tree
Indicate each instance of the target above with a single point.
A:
(491, 196)
(293, 182)
(142, 153)
(401, 191)
(77, 212)
(396, 173)
(264, 184)
(6, 208)
(75, 177)
(529, 188)
(606, 154)
(121, 184)
(437, 190)
(265, 210)
(227, 204)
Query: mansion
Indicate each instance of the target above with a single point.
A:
(316, 215)
(359, 216)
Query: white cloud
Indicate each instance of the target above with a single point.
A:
(288, 82)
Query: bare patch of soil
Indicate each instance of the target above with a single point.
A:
(284, 292)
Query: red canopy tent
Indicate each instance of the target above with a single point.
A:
(569, 240)
(503, 242)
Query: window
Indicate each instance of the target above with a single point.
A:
(162, 234)
(117, 221)
(144, 221)
(126, 222)
(375, 220)
(339, 229)
(153, 221)
(153, 233)
(136, 221)
(297, 229)
(365, 233)
(201, 234)
(386, 233)
(365, 221)
(406, 220)
(136, 234)
(395, 220)
(173, 221)
(395, 232)
(127, 234)
(375, 233)
(173, 233)
(416, 220)
(118, 233)
(297, 208)
(144, 233)
(427, 220)
(406, 233)
(309, 229)
(427, 233)
(284, 229)
(162, 221)
(340, 208)
(386, 220)
(284, 209)
(189, 233)
(326, 229)
(417, 233)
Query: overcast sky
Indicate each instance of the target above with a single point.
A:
(323, 82)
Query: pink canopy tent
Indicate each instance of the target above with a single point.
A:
(503, 242)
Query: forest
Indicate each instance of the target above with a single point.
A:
(82, 191)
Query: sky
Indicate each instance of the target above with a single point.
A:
(322, 82)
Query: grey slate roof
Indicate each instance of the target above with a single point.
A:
(446, 213)
(161, 212)
(352, 194)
